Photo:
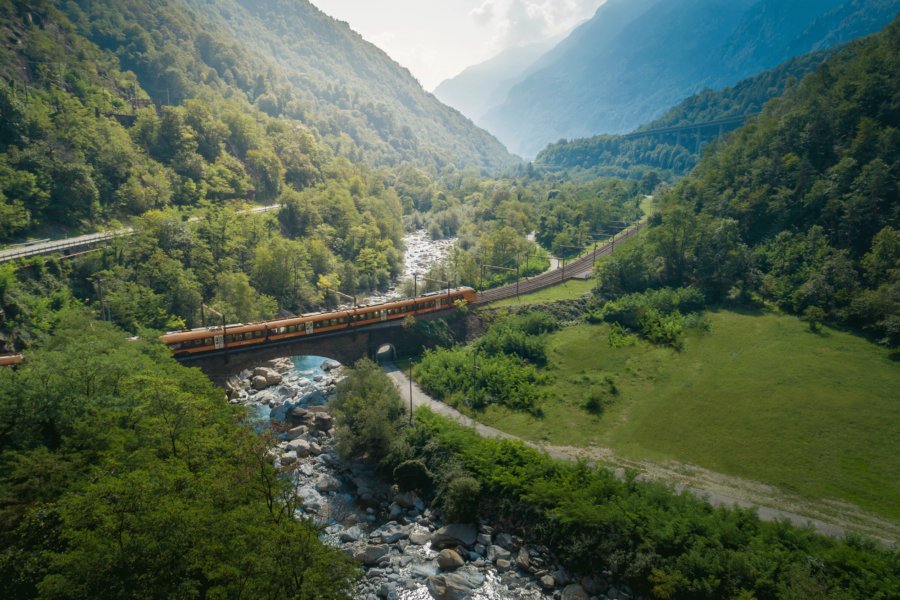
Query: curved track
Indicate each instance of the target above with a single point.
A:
(544, 280)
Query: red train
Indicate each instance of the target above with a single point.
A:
(206, 339)
(8, 360)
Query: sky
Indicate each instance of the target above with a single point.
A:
(437, 39)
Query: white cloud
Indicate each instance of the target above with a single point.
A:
(423, 62)
(514, 22)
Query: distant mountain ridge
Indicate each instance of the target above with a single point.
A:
(485, 85)
(634, 60)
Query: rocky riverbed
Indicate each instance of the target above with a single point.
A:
(407, 549)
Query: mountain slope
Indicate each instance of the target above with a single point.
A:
(481, 87)
(616, 155)
(669, 50)
(339, 68)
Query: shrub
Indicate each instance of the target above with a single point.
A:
(367, 410)
(660, 328)
(619, 337)
(412, 475)
(595, 402)
(629, 310)
(461, 501)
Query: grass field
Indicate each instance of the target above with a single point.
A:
(759, 397)
(573, 288)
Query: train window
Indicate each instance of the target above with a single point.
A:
(229, 339)
(317, 325)
(342, 320)
(175, 346)
(292, 328)
(258, 334)
(208, 342)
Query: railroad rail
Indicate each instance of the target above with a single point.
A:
(571, 271)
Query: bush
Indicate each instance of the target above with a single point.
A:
(461, 501)
(629, 310)
(619, 337)
(412, 475)
(662, 329)
(367, 411)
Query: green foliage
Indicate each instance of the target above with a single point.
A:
(661, 328)
(121, 469)
(665, 544)
(619, 337)
(412, 475)
(629, 310)
(368, 412)
(503, 379)
(461, 500)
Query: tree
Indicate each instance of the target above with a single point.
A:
(367, 410)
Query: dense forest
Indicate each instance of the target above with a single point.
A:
(614, 155)
(797, 208)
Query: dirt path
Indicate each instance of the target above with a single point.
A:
(718, 489)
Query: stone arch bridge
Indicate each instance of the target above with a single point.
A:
(346, 347)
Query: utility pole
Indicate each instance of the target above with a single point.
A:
(224, 328)
(415, 285)
(516, 270)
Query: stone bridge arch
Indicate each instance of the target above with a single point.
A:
(346, 347)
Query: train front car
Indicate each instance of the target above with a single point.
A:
(204, 339)
(10, 360)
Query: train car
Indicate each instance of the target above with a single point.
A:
(238, 335)
(203, 339)
(9, 360)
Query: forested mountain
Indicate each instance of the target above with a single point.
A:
(485, 85)
(616, 155)
(799, 206)
(333, 70)
(662, 53)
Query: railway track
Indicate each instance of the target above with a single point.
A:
(545, 280)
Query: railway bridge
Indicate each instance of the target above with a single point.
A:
(349, 345)
(345, 346)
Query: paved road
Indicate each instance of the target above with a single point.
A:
(420, 398)
(84, 240)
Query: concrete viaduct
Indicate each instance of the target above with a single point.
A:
(697, 129)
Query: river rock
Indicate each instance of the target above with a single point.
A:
(449, 560)
(504, 540)
(484, 538)
(454, 535)
(271, 375)
(301, 447)
(372, 555)
(293, 434)
(594, 585)
(419, 539)
(406, 499)
(328, 365)
(502, 565)
(523, 561)
(495, 552)
(312, 500)
(315, 449)
(327, 483)
(315, 398)
(574, 592)
(351, 535)
(258, 382)
(288, 458)
(282, 365)
(396, 512)
(450, 587)
(546, 582)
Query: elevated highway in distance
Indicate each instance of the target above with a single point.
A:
(83, 242)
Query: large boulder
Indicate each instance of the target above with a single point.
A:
(504, 540)
(454, 535)
(312, 500)
(546, 582)
(300, 446)
(594, 585)
(271, 375)
(574, 592)
(495, 552)
(351, 535)
(327, 483)
(523, 561)
(451, 586)
(296, 432)
(419, 539)
(406, 499)
(449, 560)
(316, 398)
(372, 555)
(282, 365)
(259, 382)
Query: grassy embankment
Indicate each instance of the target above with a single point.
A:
(759, 397)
